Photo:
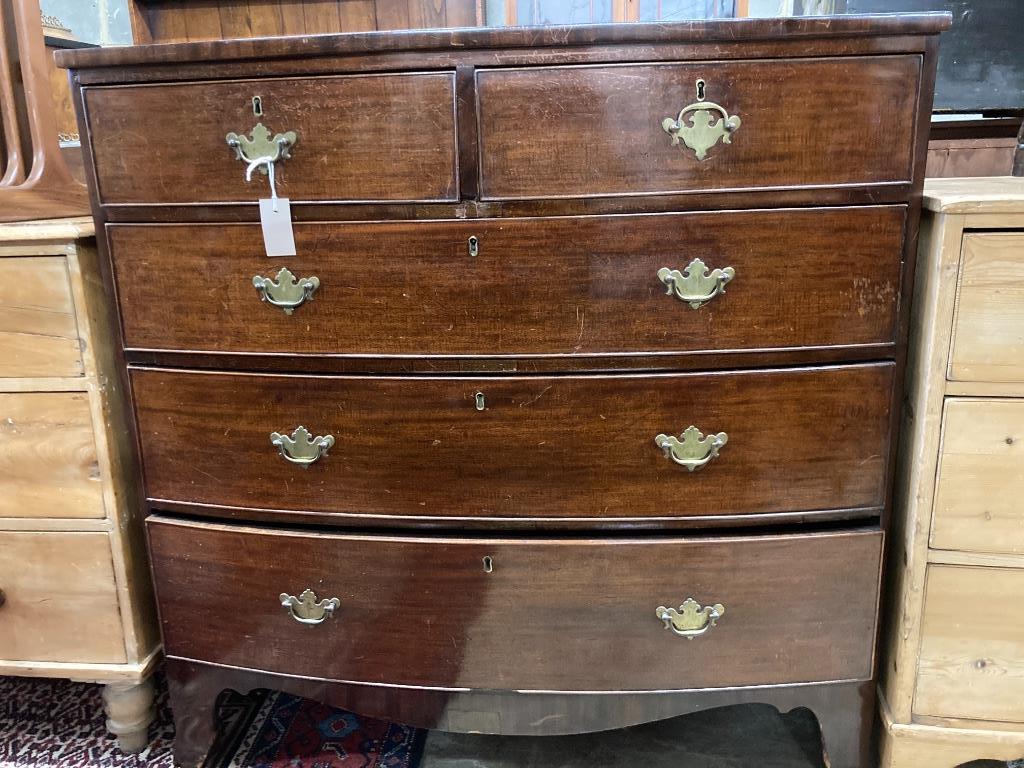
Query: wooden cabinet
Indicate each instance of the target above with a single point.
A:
(952, 683)
(576, 405)
(75, 595)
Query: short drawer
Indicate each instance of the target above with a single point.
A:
(359, 137)
(520, 447)
(980, 483)
(48, 462)
(971, 662)
(551, 286)
(38, 330)
(533, 614)
(988, 331)
(59, 598)
(599, 130)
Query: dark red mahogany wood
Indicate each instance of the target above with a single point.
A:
(548, 447)
(572, 615)
(547, 145)
(564, 286)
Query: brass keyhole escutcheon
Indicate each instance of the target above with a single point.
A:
(474, 246)
(481, 401)
(257, 106)
(488, 564)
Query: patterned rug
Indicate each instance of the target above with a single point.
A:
(268, 729)
(59, 724)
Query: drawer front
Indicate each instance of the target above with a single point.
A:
(38, 330)
(988, 333)
(980, 484)
(359, 137)
(569, 614)
(598, 130)
(971, 663)
(538, 447)
(562, 286)
(60, 600)
(48, 464)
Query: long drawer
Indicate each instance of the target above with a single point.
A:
(600, 130)
(584, 447)
(545, 286)
(357, 137)
(533, 614)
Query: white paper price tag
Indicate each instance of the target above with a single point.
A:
(276, 220)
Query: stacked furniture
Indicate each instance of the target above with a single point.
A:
(35, 181)
(75, 594)
(577, 404)
(951, 688)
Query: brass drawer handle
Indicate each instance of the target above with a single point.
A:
(690, 620)
(694, 450)
(259, 150)
(286, 292)
(301, 448)
(696, 285)
(306, 609)
(702, 131)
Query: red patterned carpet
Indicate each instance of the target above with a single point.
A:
(60, 724)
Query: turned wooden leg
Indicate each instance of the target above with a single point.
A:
(194, 692)
(129, 709)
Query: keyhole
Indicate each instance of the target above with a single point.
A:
(257, 106)
(488, 564)
(700, 90)
(481, 403)
(474, 246)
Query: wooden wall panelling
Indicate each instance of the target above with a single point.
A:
(357, 15)
(166, 21)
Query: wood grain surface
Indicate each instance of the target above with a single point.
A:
(806, 31)
(543, 447)
(988, 340)
(569, 614)
(48, 461)
(60, 598)
(38, 331)
(370, 137)
(557, 286)
(972, 644)
(979, 485)
(592, 131)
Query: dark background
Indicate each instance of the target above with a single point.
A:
(981, 59)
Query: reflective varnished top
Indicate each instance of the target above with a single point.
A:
(719, 30)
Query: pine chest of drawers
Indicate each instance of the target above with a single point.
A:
(576, 406)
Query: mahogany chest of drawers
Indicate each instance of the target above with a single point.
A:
(575, 406)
